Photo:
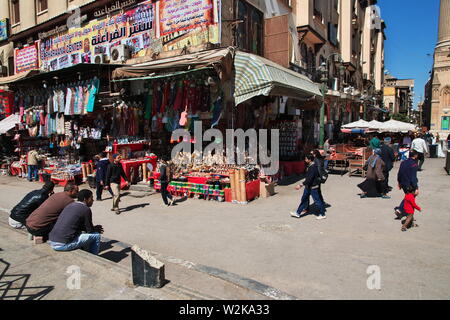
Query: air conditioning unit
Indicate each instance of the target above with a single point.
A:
(120, 54)
(3, 71)
(101, 58)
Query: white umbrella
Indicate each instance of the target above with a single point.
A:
(396, 126)
(358, 124)
(375, 125)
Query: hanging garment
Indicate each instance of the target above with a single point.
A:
(217, 112)
(68, 99)
(85, 99)
(61, 101)
(178, 103)
(148, 105)
(81, 106)
(72, 101)
(55, 102)
(93, 91)
(166, 97)
(76, 109)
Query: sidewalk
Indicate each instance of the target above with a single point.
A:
(29, 271)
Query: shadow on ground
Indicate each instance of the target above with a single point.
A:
(14, 287)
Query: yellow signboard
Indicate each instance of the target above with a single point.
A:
(389, 91)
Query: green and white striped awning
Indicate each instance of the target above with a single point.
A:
(257, 76)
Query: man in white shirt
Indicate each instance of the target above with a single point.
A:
(420, 146)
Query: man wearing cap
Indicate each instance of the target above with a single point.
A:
(113, 175)
(29, 203)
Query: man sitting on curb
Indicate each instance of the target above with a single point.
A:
(42, 220)
(77, 217)
(29, 203)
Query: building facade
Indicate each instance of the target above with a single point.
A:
(398, 95)
(438, 91)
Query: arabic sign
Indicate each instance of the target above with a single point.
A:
(179, 15)
(80, 45)
(26, 59)
(115, 7)
(188, 22)
(4, 29)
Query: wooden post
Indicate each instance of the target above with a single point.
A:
(243, 193)
(233, 185)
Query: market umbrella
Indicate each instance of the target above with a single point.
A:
(360, 124)
(396, 126)
(375, 125)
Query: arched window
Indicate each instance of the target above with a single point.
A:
(445, 97)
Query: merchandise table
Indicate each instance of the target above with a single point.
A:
(135, 164)
(132, 146)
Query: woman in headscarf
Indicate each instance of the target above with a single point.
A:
(372, 187)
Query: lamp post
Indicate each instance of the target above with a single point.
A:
(323, 70)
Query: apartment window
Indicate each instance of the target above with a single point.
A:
(15, 11)
(249, 34)
(311, 61)
(445, 123)
(42, 5)
(318, 9)
(333, 33)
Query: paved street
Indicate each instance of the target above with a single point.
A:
(304, 258)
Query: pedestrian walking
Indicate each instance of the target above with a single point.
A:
(388, 157)
(407, 178)
(113, 181)
(373, 186)
(165, 178)
(410, 206)
(311, 185)
(420, 146)
(100, 175)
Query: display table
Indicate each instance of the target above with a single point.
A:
(135, 164)
(132, 146)
(15, 171)
(292, 167)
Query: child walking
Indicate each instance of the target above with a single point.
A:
(410, 205)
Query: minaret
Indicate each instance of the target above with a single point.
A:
(444, 24)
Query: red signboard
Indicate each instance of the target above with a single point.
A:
(26, 59)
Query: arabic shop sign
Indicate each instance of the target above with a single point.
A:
(27, 58)
(115, 7)
(80, 45)
(180, 15)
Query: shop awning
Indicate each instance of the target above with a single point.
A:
(9, 123)
(209, 58)
(17, 77)
(255, 76)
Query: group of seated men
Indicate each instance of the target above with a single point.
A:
(64, 218)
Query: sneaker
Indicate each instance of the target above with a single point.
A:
(295, 215)
(114, 209)
(321, 217)
(385, 197)
(363, 196)
(117, 211)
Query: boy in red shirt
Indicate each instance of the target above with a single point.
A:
(410, 205)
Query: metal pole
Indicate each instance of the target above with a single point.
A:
(322, 117)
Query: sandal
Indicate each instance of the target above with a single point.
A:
(404, 229)
(415, 225)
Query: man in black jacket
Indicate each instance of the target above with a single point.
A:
(312, 185)
(100, 175)
(388, 157)
(113, 180)
(28, 204)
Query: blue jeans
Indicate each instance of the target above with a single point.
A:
(316, 197)
(87, 241)
(33, 173)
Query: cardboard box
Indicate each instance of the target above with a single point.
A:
(267, 190)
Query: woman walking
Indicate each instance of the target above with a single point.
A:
(373, 186)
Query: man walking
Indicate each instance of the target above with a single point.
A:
(312, 185)
(407, 178)
(76, 218)
(100, 175)
(29, 203)
(113, 180)
(164, 178)
(388, 157)
(33, 163)
(420, 146)
(42, 220)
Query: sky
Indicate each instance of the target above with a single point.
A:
(411, 31)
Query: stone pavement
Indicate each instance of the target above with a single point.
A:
(36, 272)
(302, 258)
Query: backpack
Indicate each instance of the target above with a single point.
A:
(323, 174)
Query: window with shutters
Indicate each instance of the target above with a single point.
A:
(15, 12)
(249, 33)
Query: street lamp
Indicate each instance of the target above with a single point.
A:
(323, 71)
